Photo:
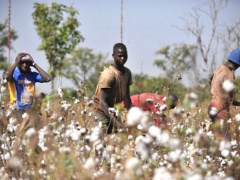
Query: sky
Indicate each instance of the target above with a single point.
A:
(148, 25)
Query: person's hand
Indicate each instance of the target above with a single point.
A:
(28, 58)
(19, 57)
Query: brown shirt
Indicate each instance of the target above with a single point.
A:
(117, 81)
(220, 99)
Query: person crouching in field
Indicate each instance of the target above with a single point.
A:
(156, 104)
(113, 88)
(222, 94)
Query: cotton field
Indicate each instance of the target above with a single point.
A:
(66, 141)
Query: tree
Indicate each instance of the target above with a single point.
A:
(231, 37)
(205, 52)
(207, 47)
(57, 26)
(178, 59)
(84, 67)
(4, 43)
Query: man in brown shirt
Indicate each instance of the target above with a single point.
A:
(219, 107)
(113, 88)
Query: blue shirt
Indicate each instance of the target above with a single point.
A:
(25, 87)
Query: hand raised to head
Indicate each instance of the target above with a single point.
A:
(19, 57)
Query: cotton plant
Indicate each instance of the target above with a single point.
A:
(228, 86)
(60, 92)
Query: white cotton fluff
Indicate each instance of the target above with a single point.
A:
(134, 116)
(8, 113)
(76, 101)
(193, 96)
(213, 111)
(145, 121)
(163, 107)
(96, 134)
(3, 89)
(163, 138)
(89, 164)
(228, 85)
(189, 131)
(154, 131)
(162, 173)
(174, 156)
(143, 149)
(60, 92)
(64, 149)
(30, 132)
(132, 163)
(25, 116)
(237, 118)
(14, 162)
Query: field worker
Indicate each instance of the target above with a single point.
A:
(22, 80)
(156, 104)
(222, 96)
(113, 88)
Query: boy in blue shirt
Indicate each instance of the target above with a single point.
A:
(22, 80)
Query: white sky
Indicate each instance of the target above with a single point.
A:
(148, 25)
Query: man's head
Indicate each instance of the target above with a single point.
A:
(172, 101)
(120, 54)
(25, 62)
(234, 57)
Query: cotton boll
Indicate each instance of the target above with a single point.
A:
(237, 118)
(195, 177)
(228, 86)
(3, 89)
(163, 138)
(132, 163)
(4, 81)
(14, 106)
(225, 152)
(60, 119)
(225, 147)
(154, 131)
(174, 143)
(60, 92)
(8, 113)
(7, 156)
(64, 149)
(143, 149)
(213, 111)
(75, 135)
(145, 121)
(85, 98)
(96, 134)
(25, 116)
(174, 155)
(162, 173)
(193, 96)
(163, 107)
(139, 127)
(30, 132)
(188, 131)
(134, 116)
(14, 162)
(76, 101)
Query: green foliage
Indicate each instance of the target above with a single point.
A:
(176, 59)
(4, 43)
(84, 67)
(57, 26)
